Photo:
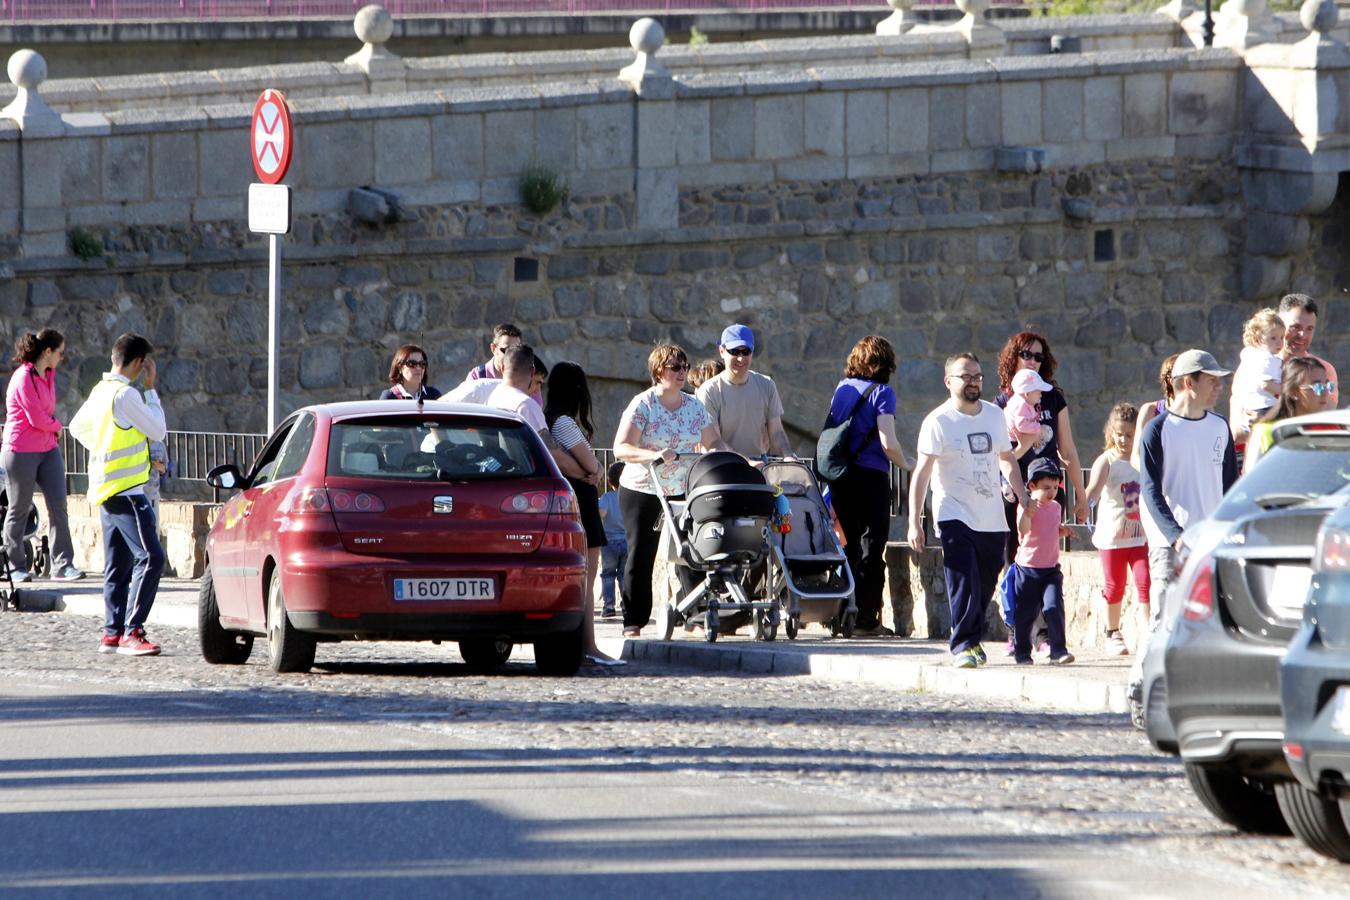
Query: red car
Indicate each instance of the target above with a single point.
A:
(386, 520)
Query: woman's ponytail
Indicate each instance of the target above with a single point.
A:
(30, 347)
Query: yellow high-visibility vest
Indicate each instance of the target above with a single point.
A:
(120, 457)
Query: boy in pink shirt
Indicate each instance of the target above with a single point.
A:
(1037, 582)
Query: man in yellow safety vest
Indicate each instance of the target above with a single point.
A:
(114, 425)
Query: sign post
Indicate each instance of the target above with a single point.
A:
(271, 140)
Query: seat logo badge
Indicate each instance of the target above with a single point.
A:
(443, 505)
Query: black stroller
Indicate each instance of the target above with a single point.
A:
(722, 529)
(39, 562)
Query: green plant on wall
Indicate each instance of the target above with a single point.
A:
(542, 189)
(84, 244)
(696, 37)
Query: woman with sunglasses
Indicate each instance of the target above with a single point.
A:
(408, 376)
(666, 426)
(1304, 389)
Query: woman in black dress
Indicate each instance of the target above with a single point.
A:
(567, 410)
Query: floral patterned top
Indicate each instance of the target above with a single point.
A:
(658, 429)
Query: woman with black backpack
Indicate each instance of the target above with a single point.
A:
(857, 462)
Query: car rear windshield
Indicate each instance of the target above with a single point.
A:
(1307, 465)
(425, 448)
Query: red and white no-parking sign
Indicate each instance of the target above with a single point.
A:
(271, 137)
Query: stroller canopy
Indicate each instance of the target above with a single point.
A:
(721, 468)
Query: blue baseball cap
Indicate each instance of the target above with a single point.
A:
(1043, 468)
(734, 336)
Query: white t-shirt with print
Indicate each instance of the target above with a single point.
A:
(658, 428)
(505, 397)
(965, 478)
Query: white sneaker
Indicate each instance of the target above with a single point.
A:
(1115, 644)
(68, 573)
(21, 576)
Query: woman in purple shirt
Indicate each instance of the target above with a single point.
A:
(861, 498)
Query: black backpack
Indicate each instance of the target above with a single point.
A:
(833, 448)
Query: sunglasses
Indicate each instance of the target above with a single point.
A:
(1027, 354)
(415, 363)
(678, 367)
(1322, 388)
(741, 351)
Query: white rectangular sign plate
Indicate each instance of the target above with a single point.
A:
(269, 208)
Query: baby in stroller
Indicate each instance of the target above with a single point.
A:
(721, 530)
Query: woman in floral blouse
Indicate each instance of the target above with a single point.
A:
(666, 426)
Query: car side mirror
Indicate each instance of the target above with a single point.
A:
(226, 477)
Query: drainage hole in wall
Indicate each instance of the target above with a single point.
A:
(1104, 245)
(526, 269)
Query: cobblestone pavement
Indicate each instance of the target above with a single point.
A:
(1075, 779)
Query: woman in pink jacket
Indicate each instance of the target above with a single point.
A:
(30, 455)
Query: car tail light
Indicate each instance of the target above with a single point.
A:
(312, 500)
(562, 503)
(1293, 751)
(1333, 551)
(1200, 598)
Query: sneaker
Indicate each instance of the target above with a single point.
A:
(965, 659)
(607, 612)
(1043, 649)
(979, 654)
(108, 643)
(1115, 644)
(135, 643)
(1063, 660)
(1011, 649)
(68, 573)
(20, 576)
(1024, 662)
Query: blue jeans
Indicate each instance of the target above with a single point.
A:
(132, 562)
(970, 561)
(1037, 592)
(612, 557)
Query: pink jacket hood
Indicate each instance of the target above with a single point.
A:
(31, 425)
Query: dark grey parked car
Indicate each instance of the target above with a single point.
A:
(1240, 608)
(1315, 691)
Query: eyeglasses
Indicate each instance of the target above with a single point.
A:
(741, 351)
(1028, 354)
(415, 363)
(1322, 388)
(678, 367)
(968, 379)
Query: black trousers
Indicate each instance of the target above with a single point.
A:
(640, 514)
(862, 501)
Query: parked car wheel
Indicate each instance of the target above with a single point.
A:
(560, 654)
(1246, 805)
(290, 650)
(1318, 822)
(219, 646)
(485, 654)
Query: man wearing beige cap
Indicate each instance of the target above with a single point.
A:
(1187, 464)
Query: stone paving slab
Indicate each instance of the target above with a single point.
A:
(1095, 683)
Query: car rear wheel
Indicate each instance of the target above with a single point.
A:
(1245, 804)
(560, 654)
(485, 654)
(290, 650)
(219, 646)
(1318, 822)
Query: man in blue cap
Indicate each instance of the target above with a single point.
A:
(744, 404)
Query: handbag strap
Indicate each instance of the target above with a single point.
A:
(862, 398)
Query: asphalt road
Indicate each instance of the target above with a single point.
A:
(391, 770)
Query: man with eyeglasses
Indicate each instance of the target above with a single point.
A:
(504, 337)
(963, 448)
(1299, 314)
(744, 404)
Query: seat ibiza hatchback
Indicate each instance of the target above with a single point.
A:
(396, 521)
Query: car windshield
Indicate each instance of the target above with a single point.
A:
(1304, 466)
(428, 448)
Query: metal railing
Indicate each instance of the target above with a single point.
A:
(49, 10)
(192, 454)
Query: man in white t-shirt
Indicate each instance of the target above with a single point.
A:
(509, 395)
(963, 448)
(744, 404)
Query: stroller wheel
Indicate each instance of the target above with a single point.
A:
(710, 622)
(792, 626)
(849, 623)
(766, 629)
(665, 620)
